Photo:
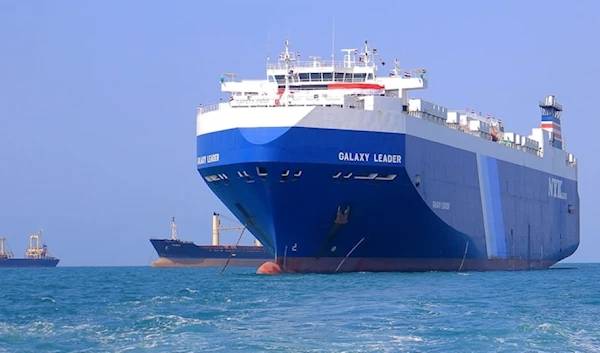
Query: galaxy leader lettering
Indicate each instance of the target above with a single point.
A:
(368, 157)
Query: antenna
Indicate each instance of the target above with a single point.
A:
(268, 46)
(369, 54)
(348, 57)
(333, 44)
(315, 60)
(288, 71)
(396, 69)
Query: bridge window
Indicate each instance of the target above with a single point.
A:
(315, 76)
(280, 79)
(339, 77)
(303, 77)
(327, 76)
(360, 77)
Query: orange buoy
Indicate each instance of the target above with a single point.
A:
(269, 268)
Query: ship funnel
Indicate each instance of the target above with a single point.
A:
(215, 229)
(551, 122)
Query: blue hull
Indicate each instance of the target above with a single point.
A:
(419, 206)
(29, 263)
(177, 253)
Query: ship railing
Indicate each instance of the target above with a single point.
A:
(208, 108)
(319, 63)
(293, 101)
(427, 116)
(305, 101)
(484, 135)
(321, 80)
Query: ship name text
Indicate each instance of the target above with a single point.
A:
(209, 158)
(555, 189)
(368, 157)
(441, 205)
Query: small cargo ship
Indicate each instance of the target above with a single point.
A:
(175, 252)
(36, 256)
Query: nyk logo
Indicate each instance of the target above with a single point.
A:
(555, 189)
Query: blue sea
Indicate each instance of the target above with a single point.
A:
(143, 309)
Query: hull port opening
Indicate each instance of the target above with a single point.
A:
(262, 172)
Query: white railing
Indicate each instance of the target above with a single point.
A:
(341, 102)
(305, 101)
(321, 63)
(209, 108)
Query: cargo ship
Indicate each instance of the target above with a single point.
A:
(35, 256)
(335, 168)
(175, 252)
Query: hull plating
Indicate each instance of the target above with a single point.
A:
(29, 263)
(416, 204)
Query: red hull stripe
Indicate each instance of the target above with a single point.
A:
(354, 86)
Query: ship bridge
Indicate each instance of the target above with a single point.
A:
(317, 82)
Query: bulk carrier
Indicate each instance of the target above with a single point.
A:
(176, 252)
(335, 169)
(35, 255)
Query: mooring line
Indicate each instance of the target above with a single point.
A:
(465, 255)
(349, 252)
(233, 250)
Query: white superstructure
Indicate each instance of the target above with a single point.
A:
(344, 95)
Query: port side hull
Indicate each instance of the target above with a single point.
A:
(204, 262)
(362, 264)
(186, 254)
(444, 206)
(29, 263)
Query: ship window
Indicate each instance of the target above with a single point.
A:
(339, 76)
(280, 79)
(327, 76)
(303, 77)
(571, 209)
(369, 76)
(348, 77)
(359, 77)
(315, 76)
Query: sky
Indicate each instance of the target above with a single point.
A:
(98, 99)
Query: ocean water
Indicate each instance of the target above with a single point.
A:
(142, 309)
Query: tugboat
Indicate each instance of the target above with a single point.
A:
(36, 255)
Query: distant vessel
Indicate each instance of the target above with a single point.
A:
(35, 256)
(336, 168)
(175, 252)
